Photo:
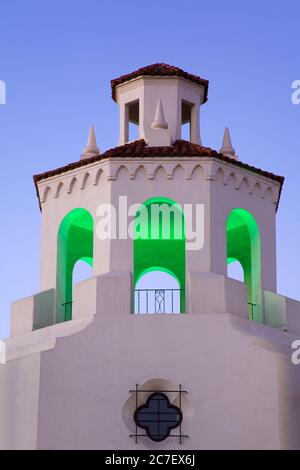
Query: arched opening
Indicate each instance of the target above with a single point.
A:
(186, 120)
(157, 291)
(132, 120)
(159, 247)
(243, 245)
(82, 270)
(235, 270)
(75, 243)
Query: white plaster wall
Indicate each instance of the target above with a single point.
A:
(275, 310)
(21, 318)
(84, 383)
(138, 180)
(293, 315)
(19, 395)
(169, 180)
(230, 190)
(218, 186)
(242, 387)
(56, 207)
(209, 292)
(30, 313)
(243, 390)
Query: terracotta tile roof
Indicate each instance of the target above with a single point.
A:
(158, 70)
(140, 149)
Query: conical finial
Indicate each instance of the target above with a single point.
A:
(227, 148)
(91, 149)
(159, 118)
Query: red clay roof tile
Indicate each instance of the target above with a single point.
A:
(140, 149)
(158, 70)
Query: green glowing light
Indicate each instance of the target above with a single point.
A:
(75, 242)
(243, 245)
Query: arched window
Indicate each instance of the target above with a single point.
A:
(158, 417)
(75, 242)
(159, 245)
(243, 245)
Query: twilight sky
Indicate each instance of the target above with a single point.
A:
(57, 59)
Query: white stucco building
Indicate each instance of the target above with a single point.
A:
(85, 366)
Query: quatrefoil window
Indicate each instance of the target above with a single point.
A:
(158, 417)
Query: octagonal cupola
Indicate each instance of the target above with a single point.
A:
(158, 100)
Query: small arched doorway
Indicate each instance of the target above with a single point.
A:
(243, 245)
(159, 248)
(74, 243)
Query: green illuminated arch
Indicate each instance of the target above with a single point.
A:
(157, 268)
(243, 245)
(159, 244)
(74, 243)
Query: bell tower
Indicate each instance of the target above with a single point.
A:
(228, 207)
(160, 98)
(159, 324)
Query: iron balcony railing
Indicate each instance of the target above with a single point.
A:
(157, 300)
(251, 310)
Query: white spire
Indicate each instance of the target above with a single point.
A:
(227, 148)
(159, 118)
(91, 149)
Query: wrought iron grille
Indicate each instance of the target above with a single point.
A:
(251, 310)
(157, 300)
(157, 416)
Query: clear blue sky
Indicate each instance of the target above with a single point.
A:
(57, 59)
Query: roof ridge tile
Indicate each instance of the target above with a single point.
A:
(159, 70)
